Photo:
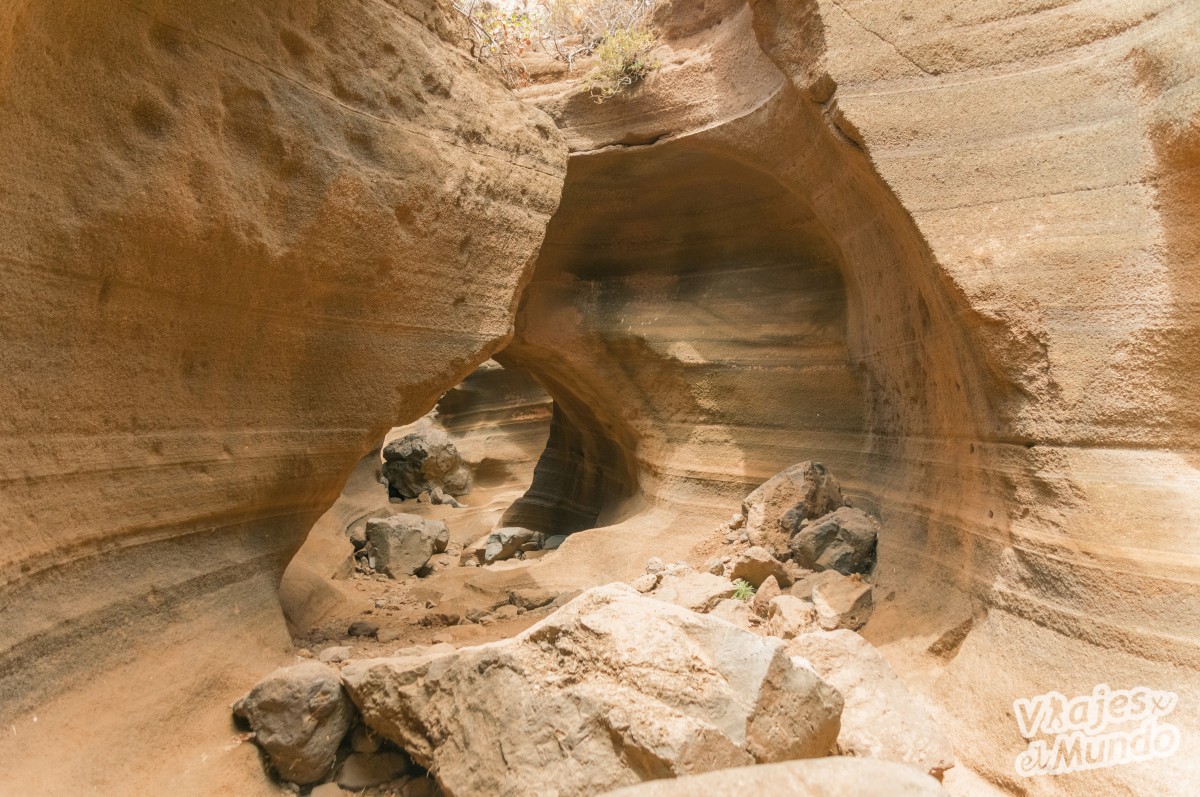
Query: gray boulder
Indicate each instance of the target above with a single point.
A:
(403, 544)
(504, 543)
(844, 540)
(803, 491)
(299, 715)
(422, 461)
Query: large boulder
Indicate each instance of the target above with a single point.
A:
(299, 715)
(612, 689)
(401, 545)
(844, 540)
(823, 777)
(803, 491)
(881, 718)
(422, 462)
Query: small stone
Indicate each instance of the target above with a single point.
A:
(506, 612)
(654, 565)
(532, 598)
(842, 601)
(737, 521)
(700, 592)
(363, 628)
(362, 740)
(788, 616)
(304, 653)
(363, 770)
(760, 604)
(645, 582)
(715, 566)
(554, 541)
(335, 654)
(736, 612)
(755, 565)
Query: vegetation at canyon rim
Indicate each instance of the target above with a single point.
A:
(616, 34)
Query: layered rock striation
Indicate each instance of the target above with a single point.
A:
(238, 243)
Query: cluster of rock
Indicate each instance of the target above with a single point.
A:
(425, 463)
(615, 688)
(801, 515)
(815, 615)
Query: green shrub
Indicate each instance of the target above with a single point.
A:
(742, 590)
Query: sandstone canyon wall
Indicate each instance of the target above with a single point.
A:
(944, 250)
(239, 242)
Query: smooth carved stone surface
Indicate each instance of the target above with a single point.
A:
(825, 777)
(869, 234)
(611, 690)
(237, 241)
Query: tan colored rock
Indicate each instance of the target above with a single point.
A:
(755, 565)
(788, 616)
(842, 601)
(880, 719)
(735, 611)
(699, 592)
(767, 592)
(627, 688)
(823, 777)
(239, 241)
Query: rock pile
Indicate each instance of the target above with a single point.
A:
(425, 462)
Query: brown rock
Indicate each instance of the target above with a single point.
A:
(768, 591)
(841, 601)
(843, 540)
(788, 616)
(401, 545)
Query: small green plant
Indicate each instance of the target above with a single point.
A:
(624, 58)
(743, 590)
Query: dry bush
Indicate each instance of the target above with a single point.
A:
(617, 32)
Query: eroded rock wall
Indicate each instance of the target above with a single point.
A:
(239, 242)
(977, 311)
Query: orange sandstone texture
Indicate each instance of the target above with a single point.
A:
(239, 241)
